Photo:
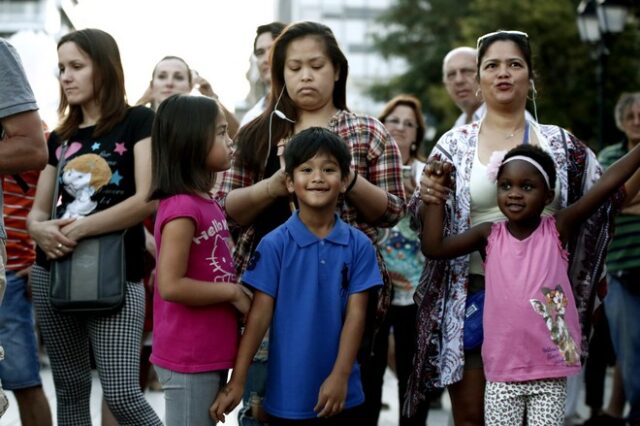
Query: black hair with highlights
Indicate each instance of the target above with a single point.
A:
(313, 141)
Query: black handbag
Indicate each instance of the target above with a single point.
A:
(92, 278)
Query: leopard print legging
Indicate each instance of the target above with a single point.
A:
(505, 403)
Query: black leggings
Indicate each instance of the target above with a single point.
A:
(403, 321)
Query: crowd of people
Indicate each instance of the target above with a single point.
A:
(307, 248)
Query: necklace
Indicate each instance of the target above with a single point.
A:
(512, 134)
(525, 136)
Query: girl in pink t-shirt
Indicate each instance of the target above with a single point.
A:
(530, 321)
(197, 300)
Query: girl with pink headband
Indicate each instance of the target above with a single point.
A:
(530, 322)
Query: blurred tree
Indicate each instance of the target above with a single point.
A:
(421, 32)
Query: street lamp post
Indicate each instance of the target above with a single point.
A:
(597, 21)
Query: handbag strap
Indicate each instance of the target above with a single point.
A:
(56, 187)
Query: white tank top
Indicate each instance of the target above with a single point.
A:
(484, 207)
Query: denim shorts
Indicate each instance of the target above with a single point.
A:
(21, 366)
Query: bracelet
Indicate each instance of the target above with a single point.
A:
(353, 182)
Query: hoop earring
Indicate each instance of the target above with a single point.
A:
(413, 148)
(478, 93)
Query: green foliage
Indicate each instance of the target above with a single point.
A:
(421, 32)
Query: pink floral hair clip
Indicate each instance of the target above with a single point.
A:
(494, 164)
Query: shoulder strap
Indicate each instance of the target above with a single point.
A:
(56, 186)
(24, 186)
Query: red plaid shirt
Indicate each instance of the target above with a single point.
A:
(375, 157)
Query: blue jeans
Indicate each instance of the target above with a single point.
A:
(21, 367)
(188, 396)
(622, 308)
(255, 388)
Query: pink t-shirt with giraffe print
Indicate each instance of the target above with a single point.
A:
(195, 339)
(531, 327)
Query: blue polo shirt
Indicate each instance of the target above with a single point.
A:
(311, 280)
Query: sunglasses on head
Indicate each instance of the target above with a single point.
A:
(481, 39)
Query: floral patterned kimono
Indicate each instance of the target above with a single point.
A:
(441, 294)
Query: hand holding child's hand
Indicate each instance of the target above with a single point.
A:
(332, 395)
(435, 181)
(226, 400)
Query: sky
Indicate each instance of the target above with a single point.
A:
(215, 37)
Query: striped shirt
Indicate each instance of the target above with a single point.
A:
(17, 204)
(624, 251)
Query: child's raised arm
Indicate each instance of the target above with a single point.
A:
(333, 391)
(612, 179)
(175, 286)
(257, 324)
(434, 245)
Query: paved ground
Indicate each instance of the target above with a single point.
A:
(388, 417)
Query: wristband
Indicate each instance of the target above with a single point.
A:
(353, 182)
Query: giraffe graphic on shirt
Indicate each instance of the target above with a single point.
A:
(553, 311)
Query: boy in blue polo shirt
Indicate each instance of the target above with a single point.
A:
(311, 277)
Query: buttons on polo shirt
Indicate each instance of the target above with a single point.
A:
(322, 261)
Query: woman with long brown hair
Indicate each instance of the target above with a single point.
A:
(308, 88)
(105, 133)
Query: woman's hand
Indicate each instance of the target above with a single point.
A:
(434, 182)
(49, 237)
(203, 86)
(277, 185)
(74, 230)
(147, 97)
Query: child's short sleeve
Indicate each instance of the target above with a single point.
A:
(263, 270)
(175, 207)
(365, 272)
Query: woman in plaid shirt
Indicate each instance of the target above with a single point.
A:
(308, 88)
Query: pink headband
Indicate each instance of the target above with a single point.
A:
(534, 163)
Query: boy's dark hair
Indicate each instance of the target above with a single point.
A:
(273, 28)
(181, 138)
(316, 140)
(537, 154)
